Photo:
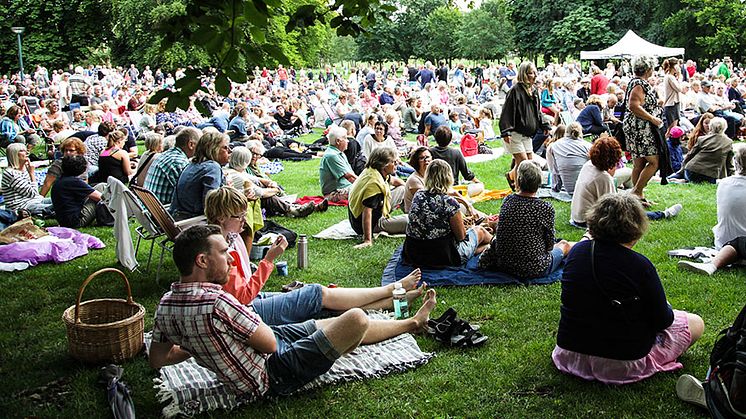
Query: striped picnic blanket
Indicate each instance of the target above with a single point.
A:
(190, 389)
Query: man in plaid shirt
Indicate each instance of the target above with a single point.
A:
(163, 174)
(196, 318)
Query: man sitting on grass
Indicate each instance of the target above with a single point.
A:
(197, 318)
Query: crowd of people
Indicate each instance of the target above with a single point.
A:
(580, 130)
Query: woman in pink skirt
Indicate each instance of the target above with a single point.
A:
(616, 325)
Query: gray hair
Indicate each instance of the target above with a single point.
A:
(12, 151)
(523, 69)
(529, 176)
(438, 177)
(153, 140)
(739, 159)
(718, 125)
(642, 63)
(240, 158)
(618, 218)
(380, 157)
(335, 133)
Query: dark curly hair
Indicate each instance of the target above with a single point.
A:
(605, 152)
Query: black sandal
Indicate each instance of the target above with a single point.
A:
(510, 180)
(295, 285)
(455, 332)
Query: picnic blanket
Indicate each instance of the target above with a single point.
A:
(478, 158)
(469, 274)
(343, 231)
(62, 244)
(317, 200)
(549, 193)
(190, 389)
(490, 195)
(272, 167)
(702, 254)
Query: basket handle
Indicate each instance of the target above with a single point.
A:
(95, 274)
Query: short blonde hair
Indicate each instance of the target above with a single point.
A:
(224, 202)
(438, 177)
(618, 218)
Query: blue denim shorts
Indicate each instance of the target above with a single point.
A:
(292, 307)
(557, 258)
(303, 353)
(468, 246)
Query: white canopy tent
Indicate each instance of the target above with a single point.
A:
(630, 45)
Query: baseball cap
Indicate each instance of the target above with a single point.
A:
(706, 83)
(676, 132)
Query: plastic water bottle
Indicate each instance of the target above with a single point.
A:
(302, 251)
(401, 305)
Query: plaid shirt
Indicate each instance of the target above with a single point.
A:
(163, 174)
(214, 327)
(94, 145)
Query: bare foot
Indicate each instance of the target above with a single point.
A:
(423, 314)
(410, 281)
(415, 293)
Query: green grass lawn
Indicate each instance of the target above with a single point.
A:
(512, 376)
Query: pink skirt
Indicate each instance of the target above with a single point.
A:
(669, 344)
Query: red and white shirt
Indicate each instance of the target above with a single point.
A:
(214, 327)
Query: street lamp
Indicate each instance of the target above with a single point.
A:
(18, 30)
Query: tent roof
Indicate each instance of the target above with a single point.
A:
(630, 45)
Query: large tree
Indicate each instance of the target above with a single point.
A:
(58, 32)
(487, 32)
(442, 26)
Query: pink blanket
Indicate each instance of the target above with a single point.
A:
(61, 245)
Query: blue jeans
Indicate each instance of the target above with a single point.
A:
(655, 215)
(292, 307)
(404, 170)
(468, 246)
(41, 208)
(557, 258)
(303, 353)
(695, 177)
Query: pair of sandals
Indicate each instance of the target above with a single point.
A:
(455, 332)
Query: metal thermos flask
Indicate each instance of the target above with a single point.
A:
(302, 251)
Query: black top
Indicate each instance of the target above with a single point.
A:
(591, 323)
(521, 113)
(455, 159)
(109, 166)
(68, 196)
(375, 202)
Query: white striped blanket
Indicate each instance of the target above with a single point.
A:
(189, 389)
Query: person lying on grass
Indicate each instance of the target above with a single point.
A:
(198, 319)
(436, 235)
(616, 325)
(371, 198)
(224, 207)
(524, 245)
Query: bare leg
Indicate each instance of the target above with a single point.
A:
(380, 330)
(341, 299)
(388, 302)
(644, 176)
(638, 164)
(346, 331)
(725, 257)
(518, 158)
(696, 326)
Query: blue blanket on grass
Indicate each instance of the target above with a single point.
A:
(470, 274)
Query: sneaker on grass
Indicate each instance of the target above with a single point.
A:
(703, 268)
(690, 390)
(673, 210)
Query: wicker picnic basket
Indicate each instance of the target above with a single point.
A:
(104, 330)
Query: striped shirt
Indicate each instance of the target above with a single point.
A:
(163, 174)
(214, 328)
(18, 189)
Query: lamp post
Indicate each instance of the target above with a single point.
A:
(18, 30)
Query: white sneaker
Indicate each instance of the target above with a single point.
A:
(690, 390)
(673, 210)
(703, 268)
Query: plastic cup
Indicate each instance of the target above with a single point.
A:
(282, 268)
